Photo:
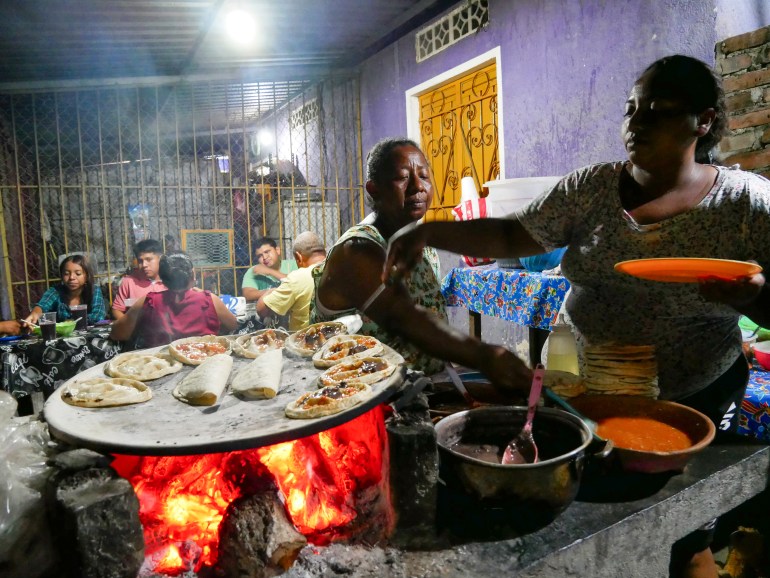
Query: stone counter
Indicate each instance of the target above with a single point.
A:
(602, 534)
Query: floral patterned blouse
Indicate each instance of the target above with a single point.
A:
(424, 286)
(696, 341)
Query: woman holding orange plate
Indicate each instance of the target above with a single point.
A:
(665, 200)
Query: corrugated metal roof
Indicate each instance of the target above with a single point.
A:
(78, 43)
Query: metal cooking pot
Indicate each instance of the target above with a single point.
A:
(469, 442)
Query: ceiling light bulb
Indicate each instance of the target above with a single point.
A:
(240, 26)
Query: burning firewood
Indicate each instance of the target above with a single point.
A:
(256, 538)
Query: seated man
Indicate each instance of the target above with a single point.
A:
(143, 280)
(268, 272)
(294, 293)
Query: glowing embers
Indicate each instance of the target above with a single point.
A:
(334, 486)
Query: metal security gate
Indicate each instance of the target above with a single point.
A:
(95, 171)
(293, 216)
(458, 130)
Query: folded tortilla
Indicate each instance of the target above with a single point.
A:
(260, 379)
(204, 384)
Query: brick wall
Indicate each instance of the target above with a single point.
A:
(744, 62)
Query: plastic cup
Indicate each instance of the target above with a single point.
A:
(47, 323)
(80, 314)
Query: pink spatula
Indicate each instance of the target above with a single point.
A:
(522, 448)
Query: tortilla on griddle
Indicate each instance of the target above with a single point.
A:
(305, 342)
(260, 379)
(253, 345)
(105, 392)
(327, 400)
(141, 366)
(204, 384)
(366, 370)
(194, 350)
(345, 348)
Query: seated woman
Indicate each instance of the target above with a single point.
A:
(408, 316)
(180, 311)
(76, 288)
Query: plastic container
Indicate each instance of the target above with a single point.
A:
(509, 195)
(562, 349)
(545, 261)
(762, 354)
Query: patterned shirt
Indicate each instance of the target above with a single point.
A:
(424, 286)
(52, 301)
(695, 340)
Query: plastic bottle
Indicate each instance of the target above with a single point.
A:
(562, 349)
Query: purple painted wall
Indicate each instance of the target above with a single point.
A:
(567, 67)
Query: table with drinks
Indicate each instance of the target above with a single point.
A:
(33, 367)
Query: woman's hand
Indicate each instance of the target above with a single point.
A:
(405, 249)
(509, 374)
(738, 294)
(33, 316)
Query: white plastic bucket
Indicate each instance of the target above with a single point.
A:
(509, 195)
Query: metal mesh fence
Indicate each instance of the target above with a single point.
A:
(95, 171)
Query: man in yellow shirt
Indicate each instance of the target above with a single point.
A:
(293, 295)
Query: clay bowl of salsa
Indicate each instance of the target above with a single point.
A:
(649, 435)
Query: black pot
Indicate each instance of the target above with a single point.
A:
(544, 488)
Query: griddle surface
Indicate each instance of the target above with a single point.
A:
(165, 426)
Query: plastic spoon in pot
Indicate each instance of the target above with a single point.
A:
(522, 448)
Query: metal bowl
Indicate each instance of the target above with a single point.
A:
(698, 427)
(548, 486)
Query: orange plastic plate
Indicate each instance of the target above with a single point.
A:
(687, 270)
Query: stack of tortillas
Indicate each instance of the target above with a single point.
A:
(621, 370)
(563, 383)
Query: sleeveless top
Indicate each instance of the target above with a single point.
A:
(163, 320)
(424, 288)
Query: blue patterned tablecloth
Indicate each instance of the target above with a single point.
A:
(755, 409)
(524, 297)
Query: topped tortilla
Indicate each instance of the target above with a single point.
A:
(344, 348)
(194, 350)
(305, 342)
(365, 370)
(327, 400)
(255, 344)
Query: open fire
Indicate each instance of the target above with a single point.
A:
(334, 486)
